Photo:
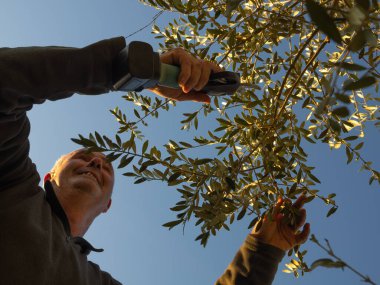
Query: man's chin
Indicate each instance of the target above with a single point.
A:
(86, 186)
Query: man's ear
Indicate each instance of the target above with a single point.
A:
(108, 206)
(47, 177)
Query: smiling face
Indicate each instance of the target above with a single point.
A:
(85, 177)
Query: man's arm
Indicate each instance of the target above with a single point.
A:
(257, 260)
(32, 75)
(254, 264)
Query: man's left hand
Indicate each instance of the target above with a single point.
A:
(276, 229)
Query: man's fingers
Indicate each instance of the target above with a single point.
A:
(196, 72)
(277, 208)
(302, 236)
(194, 96)
(185, 73)
(299, 202)
(301, 219)
(204, 78)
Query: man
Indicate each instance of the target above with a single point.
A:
(41, 237)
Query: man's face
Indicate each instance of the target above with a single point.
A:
(89, 175)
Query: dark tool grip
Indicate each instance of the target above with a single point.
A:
(220, 83)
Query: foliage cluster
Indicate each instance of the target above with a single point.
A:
(312, 71)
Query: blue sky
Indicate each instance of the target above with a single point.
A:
(137, 249)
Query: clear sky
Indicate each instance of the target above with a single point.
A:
(137, 249)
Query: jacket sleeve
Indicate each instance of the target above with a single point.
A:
(32, 75)
(97, 276)
(255, 263)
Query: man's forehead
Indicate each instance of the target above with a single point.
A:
(86, 151)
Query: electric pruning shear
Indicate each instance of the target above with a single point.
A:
(138, 67)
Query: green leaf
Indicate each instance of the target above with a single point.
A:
(136, 113)
(323, 21)
(349, 155)
(351, 138)
(129, 174)
(178, 208)
(99, 139)
(172, 224)
(315, 179)
(343, 98)
(113, 156)
(231, 183)
(202, 161)
(328, 263)
(341, 112)
(145, 147)
(141, 180)
(363, 82)
(363, 4)
(125, 160)
(241, 214)
(331, 211)
(174, 177)
(358, 41)
(350, 66)
(359, 146)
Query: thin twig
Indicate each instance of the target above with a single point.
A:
(155, 17)
(330, 252)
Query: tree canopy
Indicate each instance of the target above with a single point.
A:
(311, 75)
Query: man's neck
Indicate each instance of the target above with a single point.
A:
(79, 215)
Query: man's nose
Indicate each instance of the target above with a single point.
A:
(96, 162)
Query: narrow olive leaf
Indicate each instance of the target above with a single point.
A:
(202, 161)
(172, 224)
(253, 222)
(99, 139)
(358, 41)
(77, 141)
(351, 138)
(231, 183)
(323, 21)
(350, 66)
(145, 147)
(363, 3)
(370, 38)
(178, 208)
(343, 98)
(363, 82)
(349, 155)
(341, 111)
(124, 161)
(113, 156)
(359, 146)
(185, 144)
(174, 177)
(315, 179)
(129, 174)
(241, 214)
(328, 263)
(331, 211)
(141, 180)
(375, 4)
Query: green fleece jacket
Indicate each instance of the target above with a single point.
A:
(36, 245)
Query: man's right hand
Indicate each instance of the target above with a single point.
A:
(194, 75)
(277, 231)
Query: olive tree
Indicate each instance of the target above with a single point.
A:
(310, 74)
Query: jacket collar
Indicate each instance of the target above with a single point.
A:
(57, 209)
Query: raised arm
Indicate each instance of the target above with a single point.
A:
(34, 74)
(257, 259)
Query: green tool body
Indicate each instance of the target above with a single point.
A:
(138, 67)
